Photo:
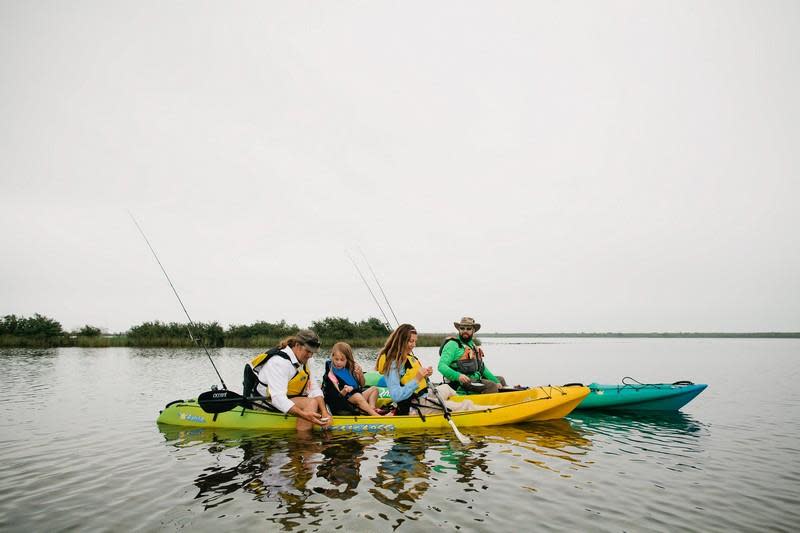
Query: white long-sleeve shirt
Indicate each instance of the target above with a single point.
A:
(276, 373)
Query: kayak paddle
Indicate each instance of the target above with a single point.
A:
(446, 412)
(222, 401)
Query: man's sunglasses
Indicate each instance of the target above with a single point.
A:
(465, 328)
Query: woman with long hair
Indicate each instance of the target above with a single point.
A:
(407, 379)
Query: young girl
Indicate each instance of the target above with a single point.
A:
(344, 381)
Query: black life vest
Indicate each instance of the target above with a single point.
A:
(337, 404)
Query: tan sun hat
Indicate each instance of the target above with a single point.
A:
(467, 321)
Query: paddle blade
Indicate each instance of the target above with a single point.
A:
(220, 401)
(463, 438)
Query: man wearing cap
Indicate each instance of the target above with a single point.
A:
(461, 361)
(284, 378)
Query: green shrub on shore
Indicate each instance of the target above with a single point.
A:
(153, 334)
(260, 329)
(334, 327)
(37, 331)
(35, 327)
(89, 331)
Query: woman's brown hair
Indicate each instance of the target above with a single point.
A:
(395, 346)
(291, 342)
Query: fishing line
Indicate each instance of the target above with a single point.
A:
(445, 411)
(388, 322)
(189, 329)
(379, 285)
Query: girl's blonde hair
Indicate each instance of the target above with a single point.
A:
(345, 349)
(395, 347)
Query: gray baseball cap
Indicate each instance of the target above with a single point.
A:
(308, 338)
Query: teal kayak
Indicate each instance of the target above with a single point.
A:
(630, 395)
(635, 396)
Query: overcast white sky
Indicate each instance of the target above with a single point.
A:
(541, 166)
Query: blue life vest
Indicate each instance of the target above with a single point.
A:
(345, 376)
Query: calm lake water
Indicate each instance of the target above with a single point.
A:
(81, 449)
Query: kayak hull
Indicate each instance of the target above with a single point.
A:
(550, 402)
(558, 409)
(645, 397)
(570, 397)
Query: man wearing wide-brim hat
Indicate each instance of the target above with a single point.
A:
(461, 361)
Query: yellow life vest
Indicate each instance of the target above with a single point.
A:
(296, 385)
(410, 369)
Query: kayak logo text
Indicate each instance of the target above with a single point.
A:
(363, 427)
(192, 418)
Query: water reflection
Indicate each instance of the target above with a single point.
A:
(289, 470)
(341, 465)
(552, 437)
(273, 467)
(467, 463)
(553, 445)
(279, 467)
(674, 440)
(402, 475)
(667, 423)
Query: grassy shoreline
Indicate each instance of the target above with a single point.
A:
(655, 335)
(115, 341)
(263, 342)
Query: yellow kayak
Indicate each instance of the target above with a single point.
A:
(542, 403)
(544, 392)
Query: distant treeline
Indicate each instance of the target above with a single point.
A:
(677, 335)
(41, 331)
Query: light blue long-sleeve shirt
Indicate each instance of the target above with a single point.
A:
(397, 391)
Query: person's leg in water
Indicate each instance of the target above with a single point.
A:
(307, 404)
(358, 400)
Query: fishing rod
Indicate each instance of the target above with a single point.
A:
(379, 285)
(189, 329)
(388, 322)
(445, 411)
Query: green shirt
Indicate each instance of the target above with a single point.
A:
(452, 352)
